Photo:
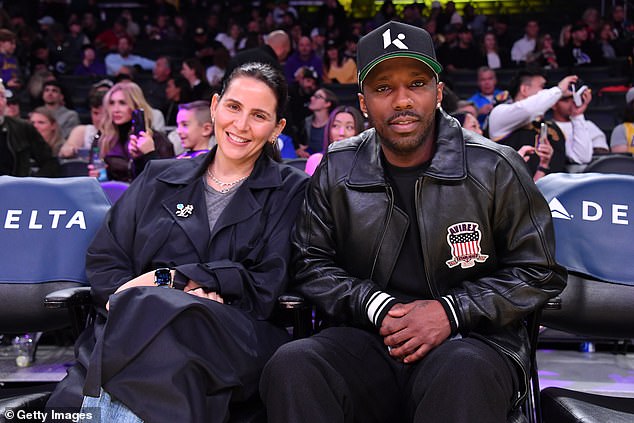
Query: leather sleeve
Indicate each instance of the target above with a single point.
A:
(526, 274)
(318, 276)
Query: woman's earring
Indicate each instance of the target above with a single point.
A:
(365, 115)
(438, 105)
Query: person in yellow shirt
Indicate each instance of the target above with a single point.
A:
(337, 68)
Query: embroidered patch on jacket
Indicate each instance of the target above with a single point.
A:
(464, 240)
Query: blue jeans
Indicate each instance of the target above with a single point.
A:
(110, 410)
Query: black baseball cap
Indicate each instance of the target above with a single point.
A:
(395, 39)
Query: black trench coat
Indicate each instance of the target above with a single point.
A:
(168, 355)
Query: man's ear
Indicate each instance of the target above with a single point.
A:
(439, 93)
(362, 104)
(208, 129)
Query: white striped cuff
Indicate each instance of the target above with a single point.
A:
(448, 299)
(376, 304)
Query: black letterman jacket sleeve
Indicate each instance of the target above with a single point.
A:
(317, 274)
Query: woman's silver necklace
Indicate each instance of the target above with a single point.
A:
(225, 186)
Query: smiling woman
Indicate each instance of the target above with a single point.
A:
(246, 122)
(216, 229)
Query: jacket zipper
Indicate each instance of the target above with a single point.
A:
(511, 354)
(419, 190)
(390, 196)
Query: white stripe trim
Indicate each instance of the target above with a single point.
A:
(376, 304)
(449, 302)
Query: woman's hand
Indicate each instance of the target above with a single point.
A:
(141, 144)
(194, 289)
(146, 279)
(95, 173)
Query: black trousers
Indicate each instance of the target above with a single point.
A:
(345, 374)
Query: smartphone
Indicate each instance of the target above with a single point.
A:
(577, 96)
(138, 121)
(543, 135)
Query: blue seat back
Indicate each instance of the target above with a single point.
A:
(46, 225)
(593, 216)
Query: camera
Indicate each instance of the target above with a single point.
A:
(138, 121)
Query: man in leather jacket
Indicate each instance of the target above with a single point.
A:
(426, 246)
(23, 151)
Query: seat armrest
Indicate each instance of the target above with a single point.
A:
(553, 304)
(69, 297)
(291, 302)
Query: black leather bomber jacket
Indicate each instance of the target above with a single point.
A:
(486, 232)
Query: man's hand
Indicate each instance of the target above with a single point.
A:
(586, 96)
(526, 151)
(301, 151)
(486, 109)
(411, 330)
(564, 84)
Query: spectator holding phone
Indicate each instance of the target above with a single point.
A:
(124, 149)
(518, 123)
(583, 138)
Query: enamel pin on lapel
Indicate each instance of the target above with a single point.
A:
(184, 210)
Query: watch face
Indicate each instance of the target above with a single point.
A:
(163, 277)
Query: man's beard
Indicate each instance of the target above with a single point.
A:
(404, 146)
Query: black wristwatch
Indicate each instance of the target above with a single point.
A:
(163, 277)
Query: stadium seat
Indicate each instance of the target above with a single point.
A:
(299, 163)
(622, 164)
(593, 234)
(77, 87)
(45, 236)
(346, 93)
(73, 167)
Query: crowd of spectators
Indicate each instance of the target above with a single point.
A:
(181, 54)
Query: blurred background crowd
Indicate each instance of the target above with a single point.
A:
(59, 58)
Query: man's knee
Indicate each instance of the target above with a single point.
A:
(292, 361)
(476, 359)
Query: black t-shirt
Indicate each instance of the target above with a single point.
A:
(6, 159)
(408, 281)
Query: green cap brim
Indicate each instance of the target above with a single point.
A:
(431, 63)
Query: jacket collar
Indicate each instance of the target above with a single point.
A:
(265, 175)
(448, 162)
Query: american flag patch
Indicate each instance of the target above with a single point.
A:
(464, 240)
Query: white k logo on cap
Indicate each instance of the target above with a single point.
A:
(387, 40)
